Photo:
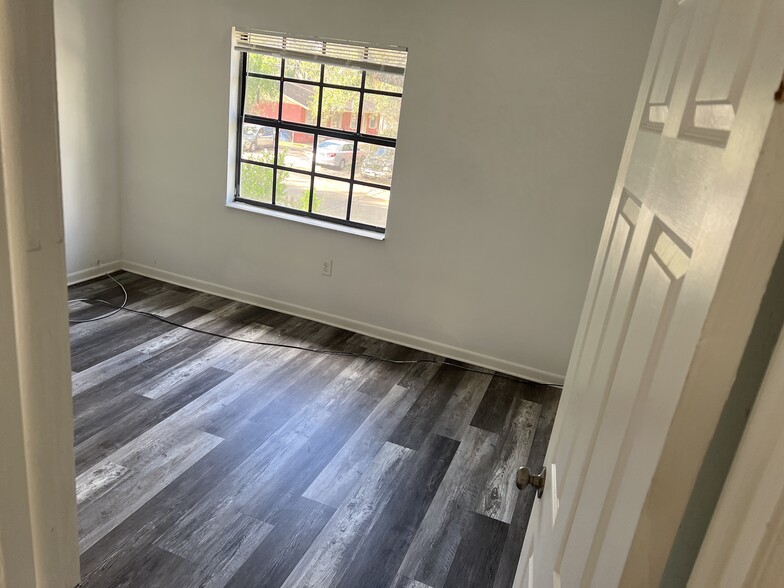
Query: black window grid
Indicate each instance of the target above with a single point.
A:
(318, 133)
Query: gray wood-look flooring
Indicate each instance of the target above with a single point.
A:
(208, 462)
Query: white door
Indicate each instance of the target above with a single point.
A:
(688, 245)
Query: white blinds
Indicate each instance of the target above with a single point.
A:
(330, 51)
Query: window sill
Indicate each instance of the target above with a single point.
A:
(307, 221)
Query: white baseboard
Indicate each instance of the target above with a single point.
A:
(485, 361)
(93, 272)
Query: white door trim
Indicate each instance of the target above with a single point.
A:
(38, 537)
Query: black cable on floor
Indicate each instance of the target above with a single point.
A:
(151, 315)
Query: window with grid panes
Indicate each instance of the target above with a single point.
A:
(317, 134)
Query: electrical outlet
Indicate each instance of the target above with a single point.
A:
(326, 267)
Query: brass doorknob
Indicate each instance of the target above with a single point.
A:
(526, 478)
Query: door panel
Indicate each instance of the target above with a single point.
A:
(667, 66)
(613, 323)
(720, 77)
(608, 287)
(652, 305)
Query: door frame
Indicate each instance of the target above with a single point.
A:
(744, 544)
(38, 533)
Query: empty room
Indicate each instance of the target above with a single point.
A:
(391, 294)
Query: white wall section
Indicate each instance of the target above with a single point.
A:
(89, 143)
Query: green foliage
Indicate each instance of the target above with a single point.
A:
(342, 76)
(334, 102)
(303, 201)
(317, 202)
(387, 107)
(259, 91)
(388, 110)
(264, 64)
(256, 183)
(388, 82)
(303, 70)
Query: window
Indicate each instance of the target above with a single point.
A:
(317, 127)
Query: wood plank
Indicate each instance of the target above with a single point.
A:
(99, 481)
(112, 366)
(111, 400)
(281, 471)
(218, 353)
(282, 549)
(434, 546)
(345, 470)
(462, 406)
(479, 554)
(132, 425)
(419, 376)
(81, 312)
(323, 563)
(137, 329)
(493, 411)
(499, 496)
(88, 288)
(377, 557)
(380, 376)
(402, 582)
(152, 462)
(118, 329)
(286, 379)
(82, 332)
(148, 566)
(98, 412)
(110, 292)
(281, 382)
(169, 505)
(428, 408)
(216, 537)
(129, 358)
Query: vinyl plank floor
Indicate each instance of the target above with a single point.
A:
(461, 407)
(132, 357)
(150, 566)
(332, 550)
(378, 556)
(499, 496)
(479, 553)
(129, 331)
(434, 546)
(275, 558)
(126, 429)
(216, 537)
(204, 461)
(349, 464)
(424, 414)
(151, 463)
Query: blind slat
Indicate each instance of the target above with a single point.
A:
(351, 54)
